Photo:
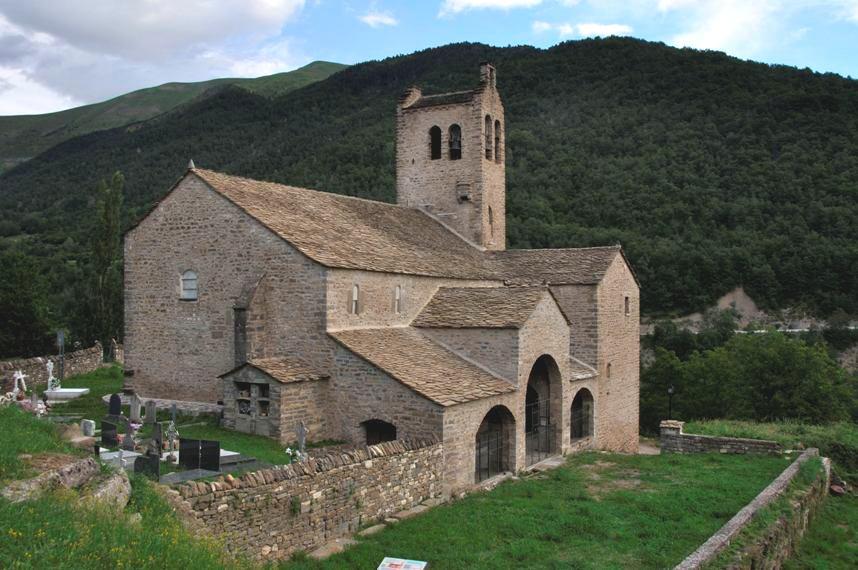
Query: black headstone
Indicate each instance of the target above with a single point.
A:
(189, 453)
(210, 455)
(148, 465)
(114, 408)
(108, 434)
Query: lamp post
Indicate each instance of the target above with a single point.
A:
(670, 392)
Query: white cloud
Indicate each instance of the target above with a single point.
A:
(457, 6)
(586, 30)
(59, 54)
(376, 19)
(740, 27)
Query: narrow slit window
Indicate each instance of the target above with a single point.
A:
(397, 299)
(455, 142)
(608, 370)
(628, 307)
(497, 141)
(491, 223)
(355, 300)
(435, 142)
(190, 288)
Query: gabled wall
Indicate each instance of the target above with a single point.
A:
(176, 349)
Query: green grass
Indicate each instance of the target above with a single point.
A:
(24, 433)
(831, 541)
(570, 519)
(107, 380)
(839, 441)
(53, 532)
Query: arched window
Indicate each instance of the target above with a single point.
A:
(354, 305)
(491, 223)
(497, 141)
(397, 299)
(190, 288)
(489, 137)
(495, 444)
(435, 142)
(582, 414)
(378, 431)
(455, 142)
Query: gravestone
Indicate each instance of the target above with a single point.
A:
(189, 453)
(128, 439)
(151, 412)
(134, 414)
(87, 427)
(209, 455)
(157, 439)
(148, 465)
(114, 408)
(108, 434)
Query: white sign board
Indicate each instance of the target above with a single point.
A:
(402, 564)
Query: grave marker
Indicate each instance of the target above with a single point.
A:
(108, 434)
(134, 414)
(114, 408)
(148, 465)
(151, 412)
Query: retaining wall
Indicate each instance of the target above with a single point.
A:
(673, 440)
(270, 514)
(76, 362)
(777, 542)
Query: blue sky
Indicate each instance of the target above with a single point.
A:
(55, 55)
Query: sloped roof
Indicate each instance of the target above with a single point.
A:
(284, 370)
(480, 307)
(454, 98)
(346, 232)
(424, 366)
(578, 266)
(581, 370)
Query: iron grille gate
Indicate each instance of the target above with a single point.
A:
(490, 454)
(539, 432)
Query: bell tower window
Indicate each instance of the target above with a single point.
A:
(435, 142)
(497, 141)
(491, 223)
(489, 137)
(455, 142)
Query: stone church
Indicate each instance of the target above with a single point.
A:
(371, 321)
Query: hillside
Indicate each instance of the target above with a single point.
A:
(25, 136)
(712, 172)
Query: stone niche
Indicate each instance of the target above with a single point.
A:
(270, 397)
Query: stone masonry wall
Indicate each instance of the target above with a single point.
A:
(673, 440)
(270, 514)
(616, 425)
(76, 362)
(578, 303)
(176, 349)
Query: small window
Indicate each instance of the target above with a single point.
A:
(489, 137)
(435, 142)
(491, 222)
(608, 370)
(628, 307)
(455, 142)
(497, 141)
(355, 300)
(397, 299)
(190, 290)
(378, 431)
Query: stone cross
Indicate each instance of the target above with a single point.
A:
(134, 414)
(151, 412)
(172, 437)
(20, 384)
(53, 383)
(173, 413)
(302, 432)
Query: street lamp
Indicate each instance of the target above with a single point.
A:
(670, 392)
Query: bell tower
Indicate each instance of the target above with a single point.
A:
(450, 159)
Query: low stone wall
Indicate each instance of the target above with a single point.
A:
(673, 440)
(270, 514)
(776, 543)
(76, 362)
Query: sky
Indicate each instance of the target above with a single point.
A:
(57, 54)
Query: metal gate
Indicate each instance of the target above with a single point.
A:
(539, 432)
(491, 455)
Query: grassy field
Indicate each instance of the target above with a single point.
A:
(599, 511)
(832, 540)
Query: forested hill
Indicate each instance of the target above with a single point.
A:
(712, 172)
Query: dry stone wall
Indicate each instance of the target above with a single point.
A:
(77, 362)
(270, 514)
(674, 441)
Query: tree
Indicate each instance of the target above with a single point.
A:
(26, 330)
(107, 261)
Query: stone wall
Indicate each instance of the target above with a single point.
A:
(76, 362)
(773, 545)
(673, 440)
(270, 514)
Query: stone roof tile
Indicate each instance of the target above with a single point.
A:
(284, 370)
(578, 266)
(455, 98)
(424, 366)
(480, 307)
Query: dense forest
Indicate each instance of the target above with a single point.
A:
(712, 172)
